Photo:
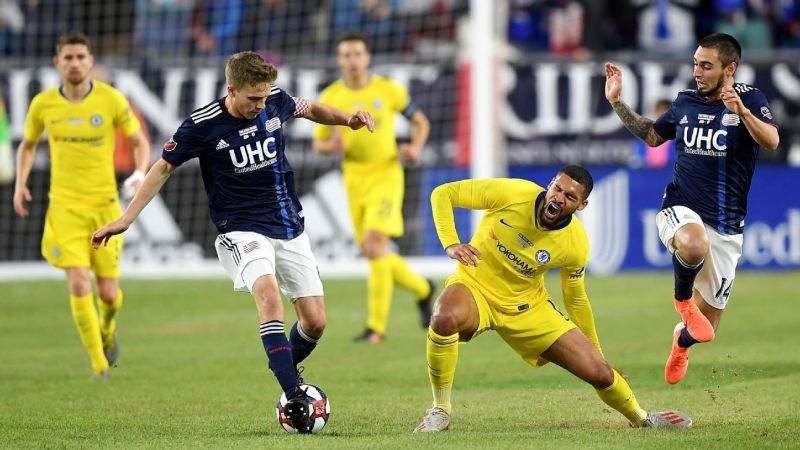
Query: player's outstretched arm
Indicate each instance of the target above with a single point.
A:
(153, 181)
(641, 127)
(328, 115)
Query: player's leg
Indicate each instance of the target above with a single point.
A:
(85, 316)
(392, 185)
(308, 329)
(455, 317)
(576, 353)
(65, 244)
(299, 279)
(109, 304)
(249, 259)
(683, 233)
(105, 265)
(273, 332)
(712, 292)
(375, 248)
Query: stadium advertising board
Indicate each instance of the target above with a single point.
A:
(620, 218)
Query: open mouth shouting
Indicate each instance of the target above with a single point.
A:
(552, 211)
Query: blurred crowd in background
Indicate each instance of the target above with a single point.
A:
(215, 28)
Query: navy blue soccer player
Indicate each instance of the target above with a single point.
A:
(718, 129)
(239, 140)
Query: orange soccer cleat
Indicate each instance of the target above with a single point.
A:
(678, 361)
(697, 324)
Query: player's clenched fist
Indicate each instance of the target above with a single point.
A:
(464, 253)
(359, 119)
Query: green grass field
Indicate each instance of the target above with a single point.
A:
(192, 373)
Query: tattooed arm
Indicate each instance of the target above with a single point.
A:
(641, 127)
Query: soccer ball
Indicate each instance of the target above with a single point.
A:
(319, 410)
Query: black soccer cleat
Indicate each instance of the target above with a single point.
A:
(425, 306)
(298, 410)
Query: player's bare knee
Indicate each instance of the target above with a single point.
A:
(79, 286)
(601, 376)
(692, 246)
(107, 292)
(445, 323)
(314, 324)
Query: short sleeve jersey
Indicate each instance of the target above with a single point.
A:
(383, 98)
(248, 180)
(81, 137)
(715, 156)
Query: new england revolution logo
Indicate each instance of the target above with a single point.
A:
(170, 145)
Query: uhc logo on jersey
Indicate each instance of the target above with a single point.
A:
(170, 145)
(704, 141)
(248, 159)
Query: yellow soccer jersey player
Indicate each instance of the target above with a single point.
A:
(499, 286)
(374, 177)
(80, 117)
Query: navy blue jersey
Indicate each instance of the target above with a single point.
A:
(715, 156)
(249, 181)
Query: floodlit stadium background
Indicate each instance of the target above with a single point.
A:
(511, 89)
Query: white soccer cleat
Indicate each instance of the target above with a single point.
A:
(667, 419)
(435, 420)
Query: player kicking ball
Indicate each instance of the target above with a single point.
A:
(499, 285)
(239, 140)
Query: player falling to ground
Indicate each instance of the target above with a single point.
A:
(718, 129)
(80, 117)
(499, 285)
(239, 140)
(374, 178)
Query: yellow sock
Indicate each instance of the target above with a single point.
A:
(85, 316)
(407, 278)
(442, 355)
(108, 315)
(620, 397)
(380, 294)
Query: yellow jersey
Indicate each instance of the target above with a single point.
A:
(381, 97)
(81, 138)
(516, 252)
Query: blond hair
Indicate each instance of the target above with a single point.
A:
(249, 69)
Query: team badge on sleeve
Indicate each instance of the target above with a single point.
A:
(766, 112)
(170, 145)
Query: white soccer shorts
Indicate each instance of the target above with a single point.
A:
(247, 255)
(715, 280)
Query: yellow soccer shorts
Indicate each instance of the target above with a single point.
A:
(529, 332)
(67, 238)
(376, 200)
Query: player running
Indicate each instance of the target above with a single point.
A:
(80, 116)
(374, 178)
(499, 285)
(718, 129)
(239, 140)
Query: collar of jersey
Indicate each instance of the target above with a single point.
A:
(61, 91)
(539, 200)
